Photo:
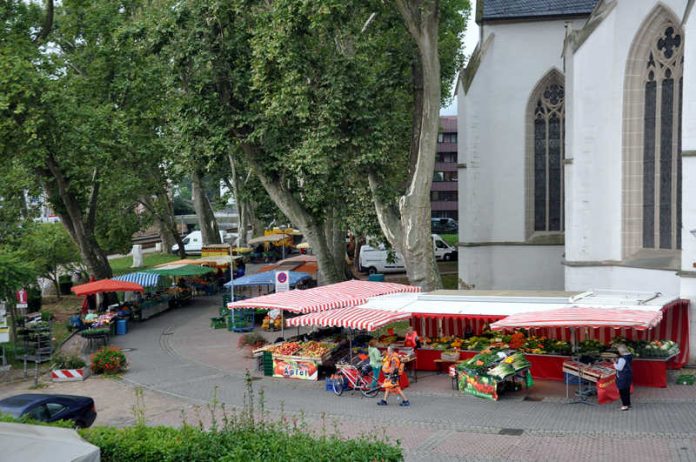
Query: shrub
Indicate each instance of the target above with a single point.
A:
(251, 339)
(46, 315)
(247, 443)
(108, 360)
(61, 361)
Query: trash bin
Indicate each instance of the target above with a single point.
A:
(376, 277)
(122, 327)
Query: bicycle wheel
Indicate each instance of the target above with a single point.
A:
(367, 390)
(337, 385)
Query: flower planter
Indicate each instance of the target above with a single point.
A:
(70, 375)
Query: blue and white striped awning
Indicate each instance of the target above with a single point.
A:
(144, 279)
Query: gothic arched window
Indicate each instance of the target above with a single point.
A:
(546, 139)
(652, 149)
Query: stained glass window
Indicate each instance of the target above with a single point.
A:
(549, 134)
(661, 141)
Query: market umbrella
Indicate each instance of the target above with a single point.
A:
(267, 279)
(269, 238)
(106, 285)
(181, 270)
(144, 279)
(584, 317)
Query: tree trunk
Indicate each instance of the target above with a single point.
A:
(408, 227)
(313, 231)
(204, 211)
(161, 208)
(56, 284)
(79, 225)
(335, 234)
(242, 208)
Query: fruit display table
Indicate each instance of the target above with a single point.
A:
(300, 360)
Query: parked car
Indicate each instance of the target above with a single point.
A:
(444, 226)
(193, 242)
(50, 408)
(376, 259)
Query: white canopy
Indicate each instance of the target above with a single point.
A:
(451, 303)
(44, 444)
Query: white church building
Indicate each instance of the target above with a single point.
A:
(577, 147)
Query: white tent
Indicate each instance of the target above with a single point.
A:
(44, 444)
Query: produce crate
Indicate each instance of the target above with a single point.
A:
(218, 323)
(267, 363)
(686, 379)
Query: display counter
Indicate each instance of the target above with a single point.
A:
(647, 372)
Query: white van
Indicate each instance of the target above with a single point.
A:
(375, 260)
(193, 243)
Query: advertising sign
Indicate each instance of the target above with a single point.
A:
(606, 390)
(4, 328)
(295, 369)
(22, 298)
(282, 281)
(481, 386)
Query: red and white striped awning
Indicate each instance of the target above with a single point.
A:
(340, 295)
(353, 318)
(617, 318)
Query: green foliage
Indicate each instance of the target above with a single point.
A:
(63, 361)
(15, 273)
(167, 444)
(26, 420)
(108, 360)
(50, 247)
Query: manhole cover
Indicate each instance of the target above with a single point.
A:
(511, 431)
(128, 349)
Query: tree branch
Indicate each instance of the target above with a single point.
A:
(410, 17)
(388, 216)
(92, 203)
(48, 23)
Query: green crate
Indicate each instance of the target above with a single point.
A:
(218, 323)
(686, 379)
(267, 363)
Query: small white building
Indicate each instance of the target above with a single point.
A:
(577, 148)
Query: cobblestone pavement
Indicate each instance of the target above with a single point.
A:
(182, 363)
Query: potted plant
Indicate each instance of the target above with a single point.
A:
(69, 368)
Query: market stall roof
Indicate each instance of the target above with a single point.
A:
(455, 306)
(106, 285)
(301, 263)
(266, 279)
(225, 260)
(353, 318)
(268, 238)
(144, 279)
(40, 443)
(340, 295)
(576, 316)
(181, 270)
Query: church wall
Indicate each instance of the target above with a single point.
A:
(621, 278)
(492, 155)
(594, 179)
(512, 267)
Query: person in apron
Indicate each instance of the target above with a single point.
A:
(624, 376)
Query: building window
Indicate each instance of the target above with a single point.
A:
(546, 138)
(447, 138)
(439, 177)
(446, 157)
(446, 196)
(652, 131)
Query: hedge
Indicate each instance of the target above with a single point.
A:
(263, 444)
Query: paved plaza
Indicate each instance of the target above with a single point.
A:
(182, 363)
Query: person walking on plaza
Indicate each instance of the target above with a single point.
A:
(624, 376)
(392, 368)
(375, 362)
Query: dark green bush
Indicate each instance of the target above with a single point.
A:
(166, 444)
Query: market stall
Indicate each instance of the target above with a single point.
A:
(300, 360)
(315, 300)
(652, 357)
(186, 277)
(104, 326)
(491, 373)
(154, 300)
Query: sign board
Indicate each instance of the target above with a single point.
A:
(4, 328)
(282, 281)
(216, 250)
(295, 369)
(22, 298)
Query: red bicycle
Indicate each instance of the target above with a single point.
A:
(354, 378)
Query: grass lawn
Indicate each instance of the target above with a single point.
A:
(451, 239)
(450, 281)
(123, 265)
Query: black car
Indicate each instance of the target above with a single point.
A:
(50, 408)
